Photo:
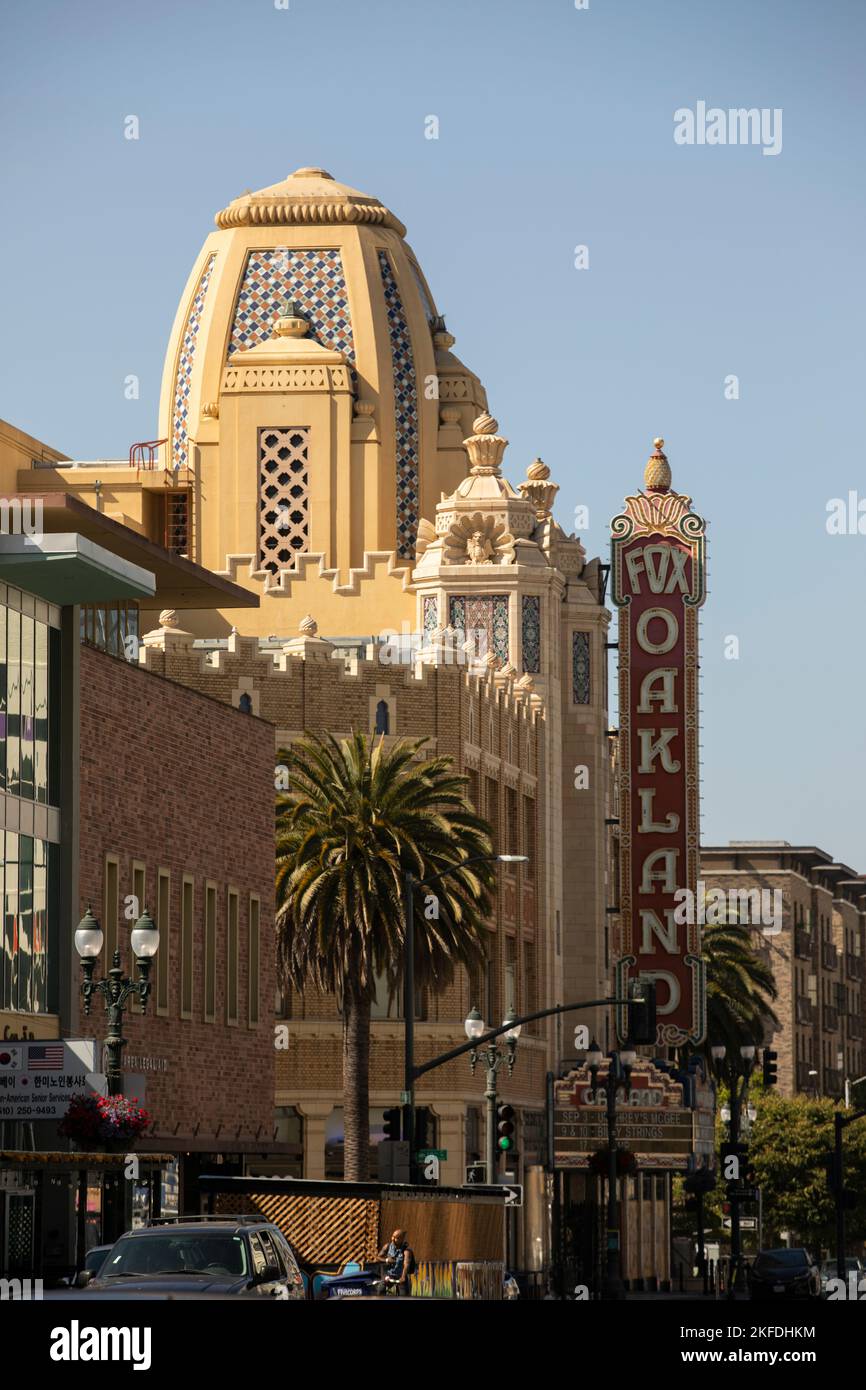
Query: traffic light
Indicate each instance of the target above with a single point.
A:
(642, 1013)
(505, 1127)
(392, 1123)
(771, 1071)
(422, 1127)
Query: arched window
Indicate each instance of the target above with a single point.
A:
(383, 717)
(245, 703)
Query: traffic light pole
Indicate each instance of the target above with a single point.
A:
(490, 1136)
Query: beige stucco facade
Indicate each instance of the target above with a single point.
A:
(320, 444)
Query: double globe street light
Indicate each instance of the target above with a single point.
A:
(116, 987)
(492, 1059)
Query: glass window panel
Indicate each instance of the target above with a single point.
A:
(163, 921)
(28, 657)
(10, 922)
(113, 642)
(41, 714)
(13, 680)
(210, 953)
(40, 927)
(232, 958)
(25, 922)
(186, 949)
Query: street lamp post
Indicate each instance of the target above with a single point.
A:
(739, 1076)
(410, 883)
(492, 1059)
(116, 987)
(618, 1074)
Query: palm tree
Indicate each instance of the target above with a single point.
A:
(740, 988)
(354, 818)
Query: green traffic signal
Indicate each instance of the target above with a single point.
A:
(505, 1143)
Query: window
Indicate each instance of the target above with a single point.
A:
(492, 799)
(253, 1009)
(284, 520)
(258, 1255)
(529, 835)
(510, 1000)
(245, 703)
(187, 931)
(530, 1000)
(383, 718)
(232, 957)
(110, 908)
(139, 887)
(210, 911)
(512, 831)
(163, 955)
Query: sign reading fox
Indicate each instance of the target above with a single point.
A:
(658, 572)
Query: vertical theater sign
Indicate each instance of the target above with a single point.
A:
(658, 584)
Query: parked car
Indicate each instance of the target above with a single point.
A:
(784, 1274)
(828, 1271)
(225, 1255)
(93, 1262)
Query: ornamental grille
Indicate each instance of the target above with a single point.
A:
(284, 499)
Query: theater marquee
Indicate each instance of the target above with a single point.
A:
(658, 584)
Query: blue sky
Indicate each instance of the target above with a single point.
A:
(555, 130)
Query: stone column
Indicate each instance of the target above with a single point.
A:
(315, 1115)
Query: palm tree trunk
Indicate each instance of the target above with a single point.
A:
(356, 1089)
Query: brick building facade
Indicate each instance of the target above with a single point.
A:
(494, 731)
(817, 957)
(175, 816)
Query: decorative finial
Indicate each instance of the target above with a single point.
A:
(168, 618)
(485, 446)
(538, 471)
(289, 323)
(657, 474)
(308, 626)
(485, 424)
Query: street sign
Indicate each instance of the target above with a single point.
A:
(747, 1223)
(513, 1194)
(39, 1079)
(431, 1153)
(741, 1194)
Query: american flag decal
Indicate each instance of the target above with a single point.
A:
(45, 1057)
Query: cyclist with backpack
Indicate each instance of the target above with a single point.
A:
(401, 1264)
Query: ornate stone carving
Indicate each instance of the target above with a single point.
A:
(478, 540)
(168, 618)
(485, 447)
(308, 626)
(538, 489)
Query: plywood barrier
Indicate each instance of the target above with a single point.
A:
(323, 1230)
(442, 1231)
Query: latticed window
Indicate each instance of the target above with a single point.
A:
(284, 498)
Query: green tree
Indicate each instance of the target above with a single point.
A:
(790, 1143)
(740, 988)
(355, 816)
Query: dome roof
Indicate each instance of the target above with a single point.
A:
(308, 197)
(306, 329)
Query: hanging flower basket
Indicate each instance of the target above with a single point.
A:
(104, 1122)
